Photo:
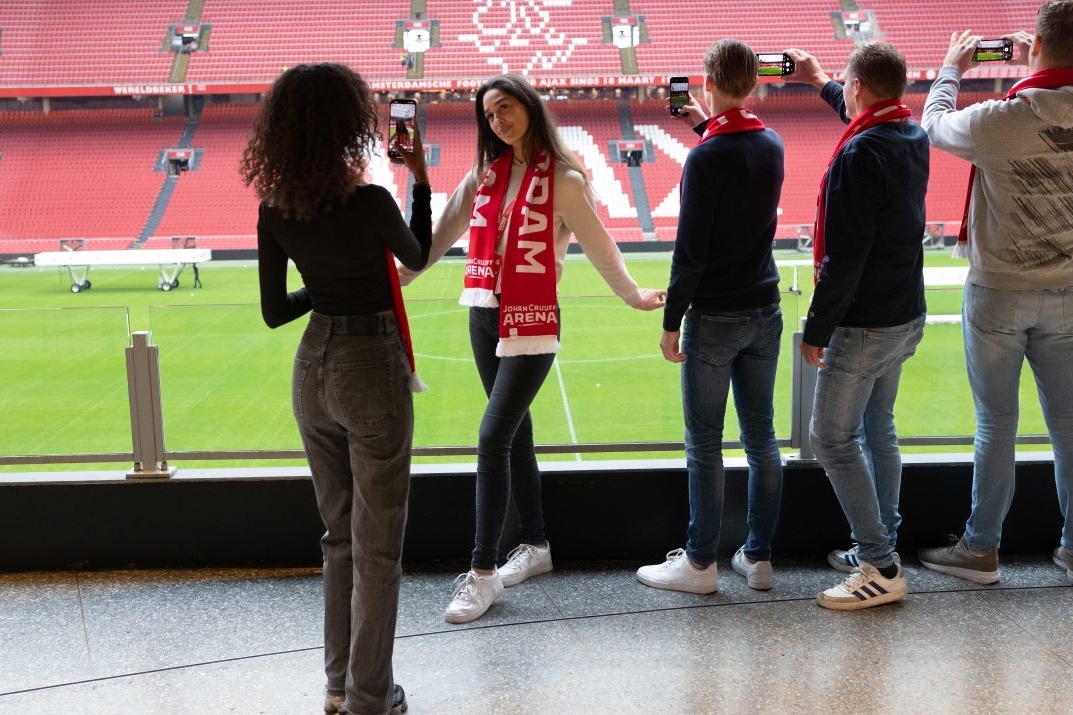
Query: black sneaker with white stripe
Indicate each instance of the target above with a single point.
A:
(849, 560)
(864, 588)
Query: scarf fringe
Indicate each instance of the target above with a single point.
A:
(527, 345)
(417, 384)
(960, 250)
(478, 298)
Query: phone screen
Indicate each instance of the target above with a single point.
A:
(679, 94)
(774, 64)
(993, 51)
(401, 114)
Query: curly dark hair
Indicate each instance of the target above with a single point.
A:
(309, 144)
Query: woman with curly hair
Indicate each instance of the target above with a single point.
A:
(524, 198)
(353, 371)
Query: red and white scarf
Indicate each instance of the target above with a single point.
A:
(416, 384)
(525, 273)
(887, 110)
(1051, 78)
(731, 121)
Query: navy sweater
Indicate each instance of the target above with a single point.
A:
(872, 273)
(722, 252)
(340, 255)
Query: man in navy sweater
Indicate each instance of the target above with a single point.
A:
(867, 312)
(725, 286)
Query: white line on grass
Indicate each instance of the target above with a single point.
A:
(566, 408)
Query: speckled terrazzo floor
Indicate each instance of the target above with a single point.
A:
(585, 639)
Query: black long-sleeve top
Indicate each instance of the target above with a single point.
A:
(872, 274)
(340, 255)
(729, 211)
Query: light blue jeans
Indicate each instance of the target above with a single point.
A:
(852, 430)
(352, 401)
(1001, 329)
(723, 350)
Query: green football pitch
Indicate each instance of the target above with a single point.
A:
(225, 376)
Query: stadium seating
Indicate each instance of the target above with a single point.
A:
(922, 34)
(211, 202)
(94, 177)
(122, 41)
(73, 43)
(84, 173)
(253, 40)
(531, 39)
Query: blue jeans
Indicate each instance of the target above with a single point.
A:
(852, 430)
(506, 459)
(352, 401)
(1001, 329)
(723, 350)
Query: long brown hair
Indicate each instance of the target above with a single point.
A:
(542, 134)
(312, 136)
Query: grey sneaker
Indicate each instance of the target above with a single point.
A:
(864, 588)
(757, 573)
(1063, 559)
(524, 561)
(957, 560)
(849, 560)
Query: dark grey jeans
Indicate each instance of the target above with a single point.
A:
(352, 401)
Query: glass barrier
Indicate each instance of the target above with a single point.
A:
(225, 377)
(64, 385)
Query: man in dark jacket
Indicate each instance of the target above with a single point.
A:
(867, 312)
(725, 286)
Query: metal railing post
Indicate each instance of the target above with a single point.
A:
(146, 412)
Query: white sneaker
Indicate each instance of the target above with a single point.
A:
(757, 573)
(524, 561)
(864, 588)
(473, 595)
(678, 574)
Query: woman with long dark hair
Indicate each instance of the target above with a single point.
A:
(353, 371)
(525, 196)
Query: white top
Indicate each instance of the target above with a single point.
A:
(574, 213)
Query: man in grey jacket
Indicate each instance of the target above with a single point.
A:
(1018, 300)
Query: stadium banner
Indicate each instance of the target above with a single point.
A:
(149, 89)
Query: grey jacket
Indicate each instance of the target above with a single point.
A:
(1021, 211)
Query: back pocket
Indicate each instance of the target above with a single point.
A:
(365, 391)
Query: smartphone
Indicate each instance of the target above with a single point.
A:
(993, 51)
(401, 115)
(679, 91)
(774, 64)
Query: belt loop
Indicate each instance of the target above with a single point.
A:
(329, 324)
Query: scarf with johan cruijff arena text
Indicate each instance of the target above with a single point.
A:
(525, 272)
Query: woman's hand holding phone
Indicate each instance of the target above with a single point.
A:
(413, 158)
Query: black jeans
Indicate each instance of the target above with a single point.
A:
(506, 460)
